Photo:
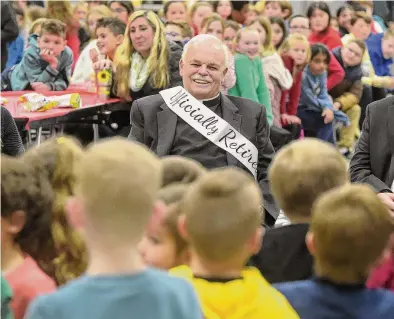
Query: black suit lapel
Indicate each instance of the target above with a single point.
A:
(232, 117)
(390, 130)
(166, 126)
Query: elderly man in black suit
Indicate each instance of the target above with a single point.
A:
(373, 161)
(201, 123)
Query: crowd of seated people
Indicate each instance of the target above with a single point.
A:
(111, 230)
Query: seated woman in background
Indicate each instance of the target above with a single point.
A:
(214, 25)
(146, 62)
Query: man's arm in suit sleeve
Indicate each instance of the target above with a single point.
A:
(266, 153)
(360, 165)
(137, 123)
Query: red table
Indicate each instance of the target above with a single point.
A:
(88, 99)
(38, 119)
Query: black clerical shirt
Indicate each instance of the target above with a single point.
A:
(190, 143)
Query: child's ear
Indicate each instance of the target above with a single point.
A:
(256, 240)
(75, 213)
(157, 215)
(182, 227)
(16, 222)
(310, 242)
(119, 39)
(65, 42)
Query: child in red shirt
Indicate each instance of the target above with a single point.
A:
(26, 203)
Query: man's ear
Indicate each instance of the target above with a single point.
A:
(310, 242)
(16, 222)
(181, 64)
(75, 213)
(182, 227)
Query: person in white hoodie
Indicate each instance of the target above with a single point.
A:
(278, 78)
(84, 66)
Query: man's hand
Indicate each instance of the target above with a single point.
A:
(47, 55)
(388, 200)
(328, 116)
(40, 87)
(102, 64)
(337, 106)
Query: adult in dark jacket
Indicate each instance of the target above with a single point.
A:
(373, 161)
(9, 30)
(156, 125)
(11, 142)
(347, 93)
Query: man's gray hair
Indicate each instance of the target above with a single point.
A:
(201, 38)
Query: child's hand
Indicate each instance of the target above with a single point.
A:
(337, 106)
(94, 55)
(40, 87)
(290, 119)
(103, 64)
(47, 55)
(328, 116)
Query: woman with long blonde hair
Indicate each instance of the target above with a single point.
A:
(146, 62)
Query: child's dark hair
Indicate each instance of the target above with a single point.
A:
(343, 8)
(19, 12)
(168, 3)
(23, 190)
(53, 26)
(320, 48)
(321, 6)
(280, 22)
(116, 26)
(128, 5)
(216, 4)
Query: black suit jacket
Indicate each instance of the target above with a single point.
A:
(154, 125)
(373, 161)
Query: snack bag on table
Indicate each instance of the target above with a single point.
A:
(32, 102)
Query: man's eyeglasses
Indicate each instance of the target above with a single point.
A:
(172, 34)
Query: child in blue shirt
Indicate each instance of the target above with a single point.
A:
(113, 210)
(316, 109)
(349, 231)
(46, 63)
(381, 51)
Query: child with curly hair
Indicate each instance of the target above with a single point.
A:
(55, 160)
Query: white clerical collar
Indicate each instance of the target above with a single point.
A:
(210, 99)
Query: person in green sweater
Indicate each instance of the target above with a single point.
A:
(249, 71)
(6, 296)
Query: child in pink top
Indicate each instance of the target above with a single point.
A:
(26, 203)
(383, 275)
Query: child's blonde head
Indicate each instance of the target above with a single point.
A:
(302, 171)
(117, 186)
(36, 26)
(349, 231)
(241, 32)
(222, 212)
(267, 48)
(56, 160)
(35, 12)
(293, 39)
(177, 169)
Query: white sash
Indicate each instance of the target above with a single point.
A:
(212, 126)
